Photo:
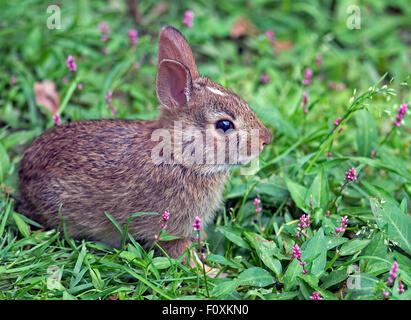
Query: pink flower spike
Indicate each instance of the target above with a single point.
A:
(337, 122)
(270, 34)
(401, 113)
(56, 119)
(133, 36)
(103, 27)
(13, 80)
(197, 224)
(351, 175)
(373, 152)
(113, 111)
(341, 129)
(137, 65)
(80, 86)
(188, 18)
(256, 202)
(329, 154)
(315, 296)
(108, 96)
(71, 64)
(385, 293)
(265, 78)
(308, 73)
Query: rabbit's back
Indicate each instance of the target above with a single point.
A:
(92, 167)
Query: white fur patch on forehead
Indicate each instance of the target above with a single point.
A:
(216, 91)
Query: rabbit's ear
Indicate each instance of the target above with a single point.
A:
(173, 46)
(174, 84)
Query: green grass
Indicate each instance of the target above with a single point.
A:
(296, 177)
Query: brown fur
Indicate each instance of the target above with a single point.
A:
(93, 166)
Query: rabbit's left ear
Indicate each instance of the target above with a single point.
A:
(174, 85)
(173, 46)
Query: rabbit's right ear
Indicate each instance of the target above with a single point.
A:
(173, 46)
(174, 84)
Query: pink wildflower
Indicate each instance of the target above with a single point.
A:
(305, 101)
(80, 86)
(270, 34)
(137, 65)
(400, 286)
(307, 76)
(103, 27)
(197, 224)
(344, 221)
(133, 36)
(188, 18)
(71, 64)
(373, 152)
(329, 154)
(337, 122)
(56, 119)
(265, 78)
(401, 113)
(13, 80)
(393, 273)
(315, 296)
(351, 175)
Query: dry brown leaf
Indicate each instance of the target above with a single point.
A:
(243, 27)
(47, 96)
(283, 45)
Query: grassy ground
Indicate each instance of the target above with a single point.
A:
(302, 172)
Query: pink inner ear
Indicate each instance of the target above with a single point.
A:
(173, 83)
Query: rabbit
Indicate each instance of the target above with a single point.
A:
(90, 167)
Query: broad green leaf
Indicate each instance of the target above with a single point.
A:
(265, 250)
(256, 277)
(161, 263)
(319, 191)
(221, 260)
(298, 193)
(332, 241)
(4, 163)
(316, 246)
(21, 225)
(234, 235)
(399, 224)
(353, 246)
(281, 296)
(334, 278)
(224, 288)
(291, 275)
(366, 132)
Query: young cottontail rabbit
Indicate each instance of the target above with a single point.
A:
(95, 166)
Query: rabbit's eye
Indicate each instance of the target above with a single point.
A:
(224, 125)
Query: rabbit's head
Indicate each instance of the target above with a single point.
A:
(210, 127)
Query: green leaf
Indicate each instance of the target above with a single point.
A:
(366, 132)
(256, 277)
(221, 260)
(224, 288)
(316, 246)
(291, 275)
(265, 250)
(21, 225)
(281, 296)
(399, 224)
(319, 191)
(353, 246)
(4, 163)
(298, 193)
(234, 235)
(334, 278)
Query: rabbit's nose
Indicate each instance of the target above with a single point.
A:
(265, 137)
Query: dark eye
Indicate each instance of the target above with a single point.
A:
(224, 125)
